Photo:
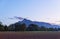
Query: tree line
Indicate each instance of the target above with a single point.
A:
(23, 27)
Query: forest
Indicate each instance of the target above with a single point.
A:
(23, 27)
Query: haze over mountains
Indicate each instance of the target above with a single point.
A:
(45, 24)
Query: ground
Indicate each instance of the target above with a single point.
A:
(30, 35)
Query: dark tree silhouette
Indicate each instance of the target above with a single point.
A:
(1, 26)
(32, 27)
(51, 29)
(42, 28)
(11, 27)
(5, 28)
(20, 27)
(17, 26)
(23, 27)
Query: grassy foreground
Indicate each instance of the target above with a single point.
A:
(30, 35)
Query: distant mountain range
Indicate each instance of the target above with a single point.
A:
(47, 25)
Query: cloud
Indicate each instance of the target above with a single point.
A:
(57, 21)
(10, 18)
(20, 18)
(16, 17)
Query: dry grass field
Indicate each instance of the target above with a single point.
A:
(30, 35)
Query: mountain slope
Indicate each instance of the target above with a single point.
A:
(48, 25)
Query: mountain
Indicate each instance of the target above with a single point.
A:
(27, 22)
(48, 25)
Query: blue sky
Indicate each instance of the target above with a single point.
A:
(36, 10)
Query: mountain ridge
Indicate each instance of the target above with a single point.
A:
(45, 24)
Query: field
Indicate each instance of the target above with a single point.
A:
(30, 35)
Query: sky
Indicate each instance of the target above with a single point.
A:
(35, 10)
